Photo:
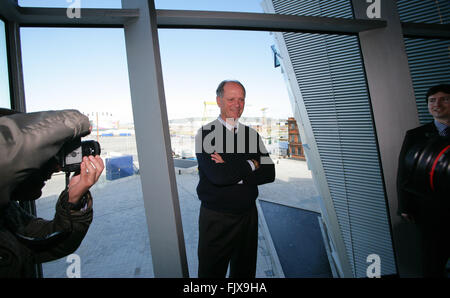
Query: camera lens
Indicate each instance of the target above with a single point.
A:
(428, 165)
(90, 148)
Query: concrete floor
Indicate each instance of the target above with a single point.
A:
(117, 244)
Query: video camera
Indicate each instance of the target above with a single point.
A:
(428, 165)
(72, 153)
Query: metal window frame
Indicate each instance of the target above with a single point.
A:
(17, 90)
(394, 112)
(8, 60)
(170, 261)
(159, 186)
(195, 19)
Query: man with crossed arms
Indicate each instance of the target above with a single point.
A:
(232, 162)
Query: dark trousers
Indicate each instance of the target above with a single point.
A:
(434, 228)
(227, 239)
(436, 250)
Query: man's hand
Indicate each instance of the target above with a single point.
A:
(256, 163)
(90, 170)
(217, 158)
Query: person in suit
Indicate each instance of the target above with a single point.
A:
(430, 213)
(232, 162)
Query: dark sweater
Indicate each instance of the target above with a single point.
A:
(219, 187)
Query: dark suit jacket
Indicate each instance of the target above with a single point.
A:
(408, 202)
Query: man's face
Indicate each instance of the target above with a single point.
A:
(439, 106)
(31, 187)
(233, 101)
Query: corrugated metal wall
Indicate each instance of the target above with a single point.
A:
(424, 11)
(429, 59)
(331, 79)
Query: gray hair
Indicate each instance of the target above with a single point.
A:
(220, 91)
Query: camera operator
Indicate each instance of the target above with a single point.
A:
(28, 146)
(429, 211)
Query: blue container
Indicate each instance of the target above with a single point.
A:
(119, 167)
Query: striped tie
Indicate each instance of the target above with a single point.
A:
(446, 132)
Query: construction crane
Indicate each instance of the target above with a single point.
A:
(264, 114)
(266, 126)
(205, 110)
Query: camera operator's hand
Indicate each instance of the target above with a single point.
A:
(90, 170)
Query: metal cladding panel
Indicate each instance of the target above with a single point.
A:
(331, 78)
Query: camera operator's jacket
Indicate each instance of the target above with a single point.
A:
(27, 141)
(18, 258)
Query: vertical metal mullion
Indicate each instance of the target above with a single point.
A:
(394, 111)
(17, 91)
(157, 171)
(15, 66)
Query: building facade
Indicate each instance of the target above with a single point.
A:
(295, 143)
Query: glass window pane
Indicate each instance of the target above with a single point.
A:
(191, 102)
(429, 62)
(429, 59)
(86, 69)
(5, 98)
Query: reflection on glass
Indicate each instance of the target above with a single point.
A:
(5, 99)
(85, 69)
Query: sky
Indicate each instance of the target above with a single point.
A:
(86, 68)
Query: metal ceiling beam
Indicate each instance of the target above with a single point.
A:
(8, 10)
(195, 19)
(426, 30)
(36, 16)
(89, 17)
(190, 19)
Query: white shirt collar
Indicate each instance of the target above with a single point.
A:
(228, 125)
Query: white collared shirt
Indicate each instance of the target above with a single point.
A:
(228, 125)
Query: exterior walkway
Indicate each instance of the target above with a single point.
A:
(117, 244)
